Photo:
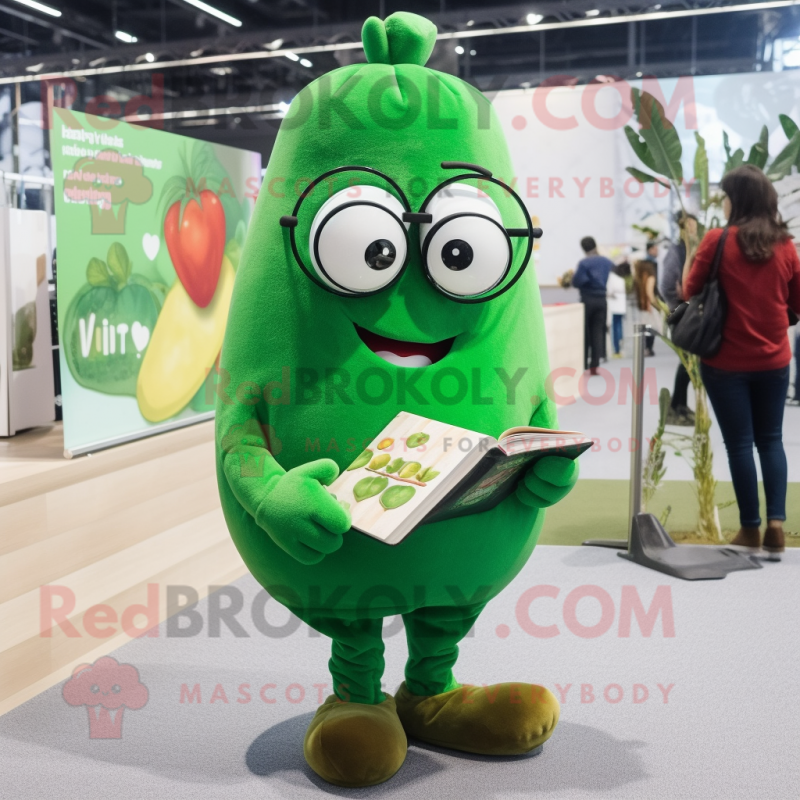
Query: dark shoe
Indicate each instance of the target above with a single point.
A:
(649, 353)
(593, 371)
(677, 416)
(507, 719)
(748, 540)
(355, 744)
(774, 540)
(687, 413)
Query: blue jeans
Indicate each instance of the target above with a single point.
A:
(616, 330)
(749, 409)
(797, 364)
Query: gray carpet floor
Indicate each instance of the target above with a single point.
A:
(729, 727)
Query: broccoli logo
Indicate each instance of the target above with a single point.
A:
(106, 688)
(106, 180)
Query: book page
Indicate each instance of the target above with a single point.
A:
(405, 467)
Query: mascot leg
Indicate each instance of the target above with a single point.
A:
(355, 738)
(502, 720)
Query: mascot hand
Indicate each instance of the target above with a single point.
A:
(547, 481)
(301, 515)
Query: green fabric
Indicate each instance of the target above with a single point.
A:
(433, 635)
(403, 39)
(298, 386)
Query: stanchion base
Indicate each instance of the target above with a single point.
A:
(616, 544)
(651, 546)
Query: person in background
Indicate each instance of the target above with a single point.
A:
(795, 401)
(591, 278)
(669, 287)
(645, 287)
(652, 253)
(617, 300)
(748, 378)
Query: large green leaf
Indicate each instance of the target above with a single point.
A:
(119, 265)
(789, 125)
(659, 134)
(759, 152)
(640, 148)
(643, 177)
(785, 160)
(701, 169)
(735, 159)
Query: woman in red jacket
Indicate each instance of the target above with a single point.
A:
(748, 378)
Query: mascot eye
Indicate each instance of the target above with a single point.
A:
(358, 240)
(466, 249)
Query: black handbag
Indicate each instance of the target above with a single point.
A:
(697, 326)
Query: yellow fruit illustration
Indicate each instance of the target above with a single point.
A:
(184, 345)
(384, 443)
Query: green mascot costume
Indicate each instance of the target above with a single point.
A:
(385, 270)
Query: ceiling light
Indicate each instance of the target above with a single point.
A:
(283, 107)
(221, 70)
(638, 74)
(304, 62)
(34, 67)
(196, 53)
(274, 44)
(473, 52)
(534, 19)
(125, 37)
(53, 12)
(292, 56)
(149, 58)
(459, 50)
(470, 23)
(214, 12)
(594, 12)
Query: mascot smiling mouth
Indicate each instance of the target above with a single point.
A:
(405, 354)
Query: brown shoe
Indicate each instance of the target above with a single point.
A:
(593, 371)
(774, 540)
(748, 540)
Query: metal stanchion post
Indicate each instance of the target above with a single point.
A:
(637, 428)
(637, 422)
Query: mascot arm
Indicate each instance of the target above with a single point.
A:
(550, 479)
(294, 508)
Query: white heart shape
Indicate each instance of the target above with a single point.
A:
(151, 243)
(140, 335)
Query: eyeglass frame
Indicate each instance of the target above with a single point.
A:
(416, 217)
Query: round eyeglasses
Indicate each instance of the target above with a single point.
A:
(358, 242)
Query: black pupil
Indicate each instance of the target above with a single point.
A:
(457, 255)
(380, 254)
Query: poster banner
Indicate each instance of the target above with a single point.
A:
(570, 154)
(149, 228)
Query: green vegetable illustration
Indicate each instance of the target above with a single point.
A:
(417, 439)
(396, 496)
(369, 487)
(395, 465)
(24, 334)
(409, 470)
(108, 325)
(427, 475)
(361, 461)
(380, 461)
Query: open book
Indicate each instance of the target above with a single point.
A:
(417, 470)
